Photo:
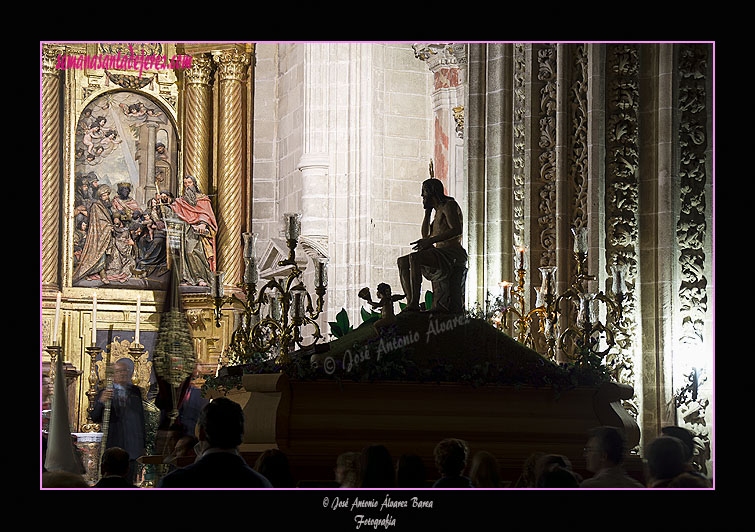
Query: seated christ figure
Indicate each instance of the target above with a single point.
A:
(439, 255)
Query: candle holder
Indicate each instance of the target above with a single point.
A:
(586, 334)
(218, 296)
(93, 351)
(54, 351)
(136, 351)
(290, 303)
(543, 304)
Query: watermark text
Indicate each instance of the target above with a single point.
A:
(129, 61)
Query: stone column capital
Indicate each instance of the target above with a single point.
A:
(232, 65)
(439, 55)
(201, 70)
(50, 53)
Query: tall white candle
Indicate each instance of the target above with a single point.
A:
(138, 316)
(94, 319)
(56, 327)
(505, 292)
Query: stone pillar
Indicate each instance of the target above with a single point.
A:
(314, 199)
(656, 242)
(197, 120)
(232, 68)
(622, 97)
(315, 161)
(490, 239)
(444, 61)
(475, 222)
(51, 169)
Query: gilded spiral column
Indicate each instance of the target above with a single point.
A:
(197, 120)
(51, 173)
(232, 68)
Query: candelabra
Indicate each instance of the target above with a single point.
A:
(290, 304)
(586, 333)
(512, 303)
(93, 351)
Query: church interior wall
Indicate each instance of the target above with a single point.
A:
(344, 132)
(266, 210)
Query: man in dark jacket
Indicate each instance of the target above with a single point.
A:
(220, 429)
(125, 428)
(114, 469)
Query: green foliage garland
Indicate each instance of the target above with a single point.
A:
(399, 365)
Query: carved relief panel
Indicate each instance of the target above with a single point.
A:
(125, 154)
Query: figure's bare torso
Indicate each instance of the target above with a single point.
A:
(447, 215)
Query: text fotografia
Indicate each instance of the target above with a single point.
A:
(361, 520)
(129, 61)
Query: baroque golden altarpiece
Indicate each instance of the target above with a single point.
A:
(137, 133)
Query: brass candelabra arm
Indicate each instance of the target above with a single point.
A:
(257, 301)
(314, 312)
(249, 303)
(542, 311)
(291, 260)
(510, 311)
(218, 303)
(591, 341)
(570, 294)
(523, 325)
(586, 338)
(570, 334)
(255, 339)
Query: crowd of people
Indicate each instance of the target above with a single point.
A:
(215, 462)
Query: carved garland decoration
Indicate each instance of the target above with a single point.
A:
(519, 142)
(690, 232)
(622, 197)
(691, 227)
(578, 155)
(129, 82)
(546, 59)
(459, 119)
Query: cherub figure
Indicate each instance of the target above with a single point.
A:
(134, 110)
(91, 137)
(110, 137)
(385, 302)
